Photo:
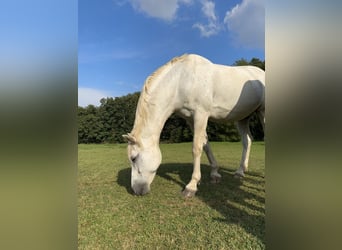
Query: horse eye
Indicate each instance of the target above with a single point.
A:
(133, 159)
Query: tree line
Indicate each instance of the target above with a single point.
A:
(115, 117)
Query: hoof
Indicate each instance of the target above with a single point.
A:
(215, 179)
(187, 193)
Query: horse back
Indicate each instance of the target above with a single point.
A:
(226, 93)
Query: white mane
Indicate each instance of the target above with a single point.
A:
(144, 102)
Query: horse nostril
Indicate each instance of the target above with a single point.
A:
(137, 191)
(140, 189)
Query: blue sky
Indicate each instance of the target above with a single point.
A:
(121, 42)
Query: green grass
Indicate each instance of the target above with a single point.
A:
(228, 215)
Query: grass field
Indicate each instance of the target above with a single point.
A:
(228, 215)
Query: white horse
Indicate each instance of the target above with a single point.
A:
(197, 90)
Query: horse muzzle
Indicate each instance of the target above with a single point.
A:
(140, 188)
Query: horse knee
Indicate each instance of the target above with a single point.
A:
(197, 150)
(199, 144)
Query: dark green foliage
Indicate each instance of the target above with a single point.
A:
(256, 128)
(222, 132)
(90, 126)
(109, 122)
(176, 130)
(254, 61)
(115, 117)
(241, 62)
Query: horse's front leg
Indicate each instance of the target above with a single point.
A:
(214, 174)
(200, 139)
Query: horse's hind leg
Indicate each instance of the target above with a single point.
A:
(214, 175)
(261, 115)
(246, 138)
(200, 139)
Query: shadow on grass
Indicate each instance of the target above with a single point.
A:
(230, 197)
(124, 179)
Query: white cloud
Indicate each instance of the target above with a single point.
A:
(207, 30)
(247, 22)
(208, 9)
(212, 28)
(88, 96)
(120, 2)
(163, 9)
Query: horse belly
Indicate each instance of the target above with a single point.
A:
(234, 107)
(235, 114)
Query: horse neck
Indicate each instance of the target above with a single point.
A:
(151, 115)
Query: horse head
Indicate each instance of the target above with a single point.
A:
(144, 164)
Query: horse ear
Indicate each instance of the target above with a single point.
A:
(130, 138)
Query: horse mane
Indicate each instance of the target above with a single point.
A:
(144, 100)
(150, 78)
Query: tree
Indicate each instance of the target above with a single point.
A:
(117, 115)
(222, 132)
(90, 127)
(176, 130)
(241, 62)
(254, 61)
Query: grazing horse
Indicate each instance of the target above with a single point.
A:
(197, 90)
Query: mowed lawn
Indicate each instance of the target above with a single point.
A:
(228, 215)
